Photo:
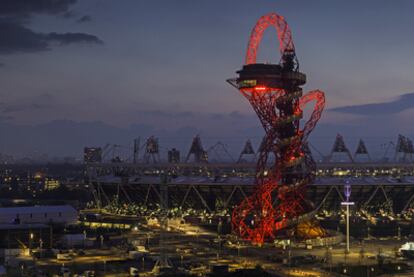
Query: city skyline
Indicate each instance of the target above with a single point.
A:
(160, 68)
(206, 138)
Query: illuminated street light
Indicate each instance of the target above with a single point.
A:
(347, 203)
(31, 236)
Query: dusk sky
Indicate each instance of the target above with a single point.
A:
(161, 66)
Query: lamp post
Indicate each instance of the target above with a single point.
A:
(347, 203)
(41, 247)
(101, 238)
(399, 233)
(31, 237)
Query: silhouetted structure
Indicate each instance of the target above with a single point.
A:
(247, 153)
(340, 148)
(404, 149)
(136, 150)
(173, 156)
(219, 153)
(92, 155)
(197, 151)
(361, 151)
(152, 154)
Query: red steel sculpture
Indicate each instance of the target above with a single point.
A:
(285, 166)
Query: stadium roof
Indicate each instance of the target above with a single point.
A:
(248, 181)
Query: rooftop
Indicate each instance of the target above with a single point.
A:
(36, 209)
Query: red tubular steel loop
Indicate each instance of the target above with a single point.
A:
(283, 34)
(319, 97)
(257, 218)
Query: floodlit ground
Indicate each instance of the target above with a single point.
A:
(194, 250)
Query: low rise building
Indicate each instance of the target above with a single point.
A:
(62, 214)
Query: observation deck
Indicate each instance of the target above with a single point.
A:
(268, 75)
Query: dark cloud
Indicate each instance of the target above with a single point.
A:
(28, 7)
(404, 102)
(18, 37)
(69, 38)
(85, 18)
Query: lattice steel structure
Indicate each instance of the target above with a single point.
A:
(339, 147)
(285, 165)
(247, 151)
(362, 150)
(404, 149)
(197, 151)
(152, 150)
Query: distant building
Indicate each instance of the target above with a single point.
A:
(173, 156)
(92, 154)
(51, 184)
(63, 214)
